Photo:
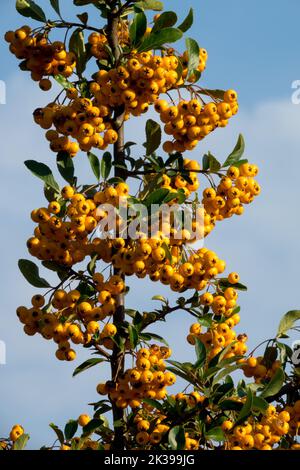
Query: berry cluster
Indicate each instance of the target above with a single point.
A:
(258, 435)
(191, 121)
(147, 379)
(41, 58)
(237, 188)
(260, 369)
(69, 318)
(99, 42)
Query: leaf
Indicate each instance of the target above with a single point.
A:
(211, 163)
(43, 172)
(63, 82)
(30, 9)
(200, 352)
(138, 28)
(218, 94)
(188, 22)
(21, 442)
(133, 336)
(260, 404)
(153, 136)
(87, 365)
(71, 428)
(150, 5)
(166, 20)
(65, 166)
(156, 197)
(106, 165)
(77, 45)
(158, 39)
(274, 385)
(223, 284)
(224, 373)
(161, 298)
(237, 152)
(176, 438)
(84, 17)
(215, 434)
(154, 403)
(287, 322)
(153, 336)
(92, 426)
(95, 164)
(58, 432)
(31, 273)
(246, 409)
(55, 6)
(193, 50)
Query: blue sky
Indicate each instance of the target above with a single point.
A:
(252, 48)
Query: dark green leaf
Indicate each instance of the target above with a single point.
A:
(133, 336)
(237, 152)
(154, 403)
(166, 20)
(106, 165)
(30, 9)
(225, 372)
(287, 322)
(274, 385)
(260, 404)
(150, 5)
(87, 365)
(155, 337)
(138, 28)
(95, 164)
(218, 94)
(71, 428)
(31, 273)
(58, 432)
(92, 426)
(223, 283)
(43, 172)
(153, 136)
(177, 438)
(156, 197)
(65, 166)
(84, 17)
(247, 408)
(188, 22)
(193, 50)
(200, 353)
(55, 5)
(77, 45)
(215, 434)
(159, 39)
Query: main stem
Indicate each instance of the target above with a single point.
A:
(117, 358)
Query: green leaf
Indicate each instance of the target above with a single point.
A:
(106, 165)
(287, 322)
(92, 426)
(154, 403)
(153, 136)
(156, 197)
(21, 442)
(166, 20)
(43, 172)
(154, 336)
(176, 438)
(55, 6)
(30, 9)
(71, 428)
(223, 284)
(237, 152)
(211, 163)
(161, 298)
(193, 50)
(274, 385)
(31, 273)
(65, 166)
(217, 94)
(84, 17)
(95, 164)
(63, 81)
(138, 28)
(260, 404)
(77, 45)
(215, 434)
(224, 373)
(188, 22)
(58, 432)
(246, 409)
(87, 365)
(159, 39)
(133, 336)
(150, 5)
(200, 353)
